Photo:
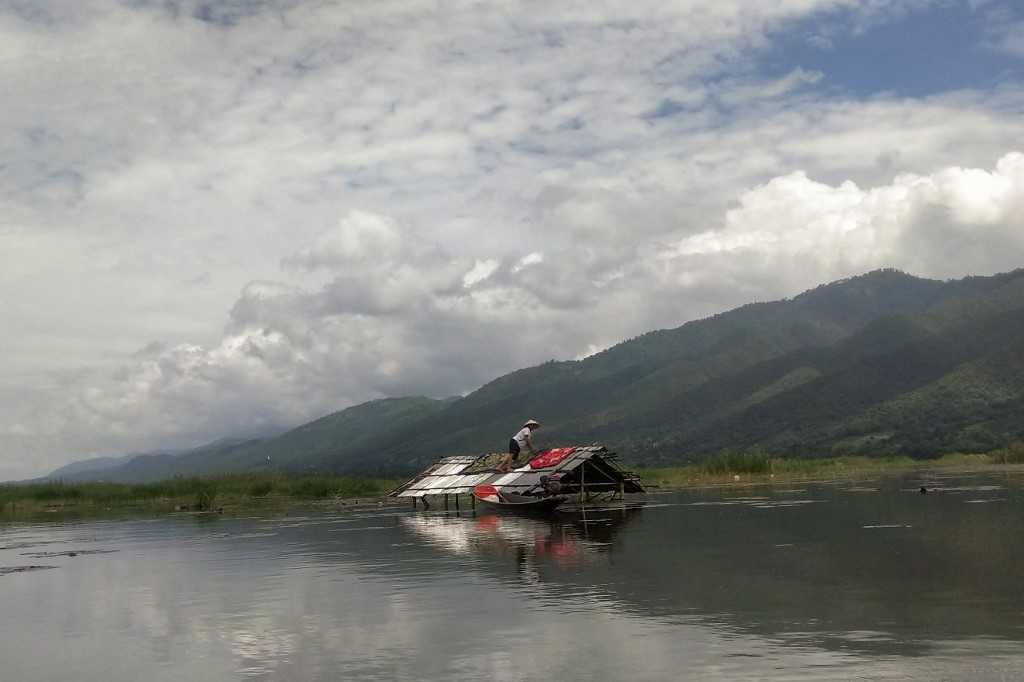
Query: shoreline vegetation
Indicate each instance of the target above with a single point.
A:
(212, 494)
(277, 491)
(753, 467)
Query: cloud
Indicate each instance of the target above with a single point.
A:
(951, 223)
(534, 258)
(294, 206)
(480, 271)
(360, 238)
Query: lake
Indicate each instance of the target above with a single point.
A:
(828, 581)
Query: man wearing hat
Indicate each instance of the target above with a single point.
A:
(519, 442)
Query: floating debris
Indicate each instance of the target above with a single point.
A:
(956, 489)
(782, 503)
(69, 553)
(7, 570)
(889, 525)
(26, 545)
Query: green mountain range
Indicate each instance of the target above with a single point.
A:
(880, 364)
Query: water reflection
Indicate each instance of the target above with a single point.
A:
(527, 546)
(818, 582)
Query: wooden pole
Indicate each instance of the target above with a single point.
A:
(446, 503)
(456, 502)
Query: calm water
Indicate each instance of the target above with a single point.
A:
(834, 581)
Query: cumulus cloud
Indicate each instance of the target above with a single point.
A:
(951, 223)
(401, 197)
(359, 238)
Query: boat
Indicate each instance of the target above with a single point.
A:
(588, 472)
(502, 499)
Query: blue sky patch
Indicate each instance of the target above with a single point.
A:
(943, 48)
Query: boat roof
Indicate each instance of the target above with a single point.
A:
(459, 475)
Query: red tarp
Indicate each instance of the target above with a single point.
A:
(550, 458)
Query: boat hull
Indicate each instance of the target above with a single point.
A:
(496, 499)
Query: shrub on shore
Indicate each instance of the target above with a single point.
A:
(734, 462)
(1012, 454)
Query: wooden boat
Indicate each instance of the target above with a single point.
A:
(500, 499)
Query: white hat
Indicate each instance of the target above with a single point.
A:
(532, 422)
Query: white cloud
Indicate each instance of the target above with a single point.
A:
(740, 93)
(533, 258)
(481, 270)
(360, 238)
(951, 223)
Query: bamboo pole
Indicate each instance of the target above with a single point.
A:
(583, 485)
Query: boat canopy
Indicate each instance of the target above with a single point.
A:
(589, 469)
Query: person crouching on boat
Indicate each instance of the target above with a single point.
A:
(517, 444)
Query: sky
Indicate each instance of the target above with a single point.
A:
(226, 218)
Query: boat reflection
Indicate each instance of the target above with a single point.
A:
(564, 540)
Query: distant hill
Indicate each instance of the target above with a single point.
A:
(94, 465)
(884, 363)
(140, 466)
(333, 438)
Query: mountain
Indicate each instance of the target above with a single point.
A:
(332, 438)
(884, 363)
(93, 466)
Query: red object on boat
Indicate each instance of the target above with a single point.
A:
(550, 458)
(487, 493)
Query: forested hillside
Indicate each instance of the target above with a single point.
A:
(879, 364)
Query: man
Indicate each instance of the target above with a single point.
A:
(519, 442)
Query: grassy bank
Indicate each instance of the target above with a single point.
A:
(275, 490)
(755, 467)
(185, 494)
